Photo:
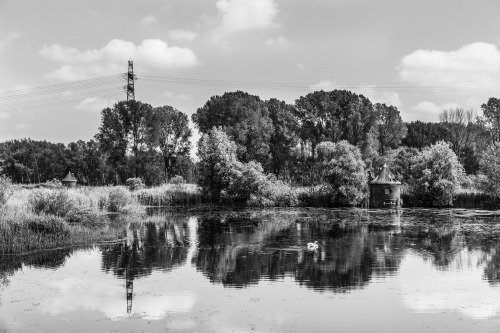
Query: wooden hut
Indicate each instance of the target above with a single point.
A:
(69, 180)
(385, 190)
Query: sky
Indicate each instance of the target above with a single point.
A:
(61, 60)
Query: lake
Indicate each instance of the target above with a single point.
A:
(411, 270)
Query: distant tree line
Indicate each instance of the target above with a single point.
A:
(299, 144)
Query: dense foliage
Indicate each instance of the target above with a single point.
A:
(252, 149)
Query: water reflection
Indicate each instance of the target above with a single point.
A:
(437, 259)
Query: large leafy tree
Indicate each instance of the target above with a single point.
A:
(457, 123)
(342, 166)
(390, 127)
(491, 114)
(218, 159)
(169, 133)
(334, 116)
(489, 165)
(284, 136)
(244, 118)
(421, 134)
(436, 175)
(123, 129)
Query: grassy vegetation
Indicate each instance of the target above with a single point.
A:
(170, 195)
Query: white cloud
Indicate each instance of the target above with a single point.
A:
(474, 66)
(180, 97)
(9, 37)
(4, 115)
(372, 92)
(148, 20)
(112, 58)
(427, 111)
(280, 41)
(94, 104)
(180, 34)
(243, 15)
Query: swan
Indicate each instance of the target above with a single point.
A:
(312, 246)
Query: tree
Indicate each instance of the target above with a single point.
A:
(334, 116)
(491, 113)
(343, 168)
(244, 118)
(217, 154)
(123, 129)
(457, 123)
(421, 134)
(170, 134)
(437, 174)
(489, 165)
(284, 136)
(390, 127)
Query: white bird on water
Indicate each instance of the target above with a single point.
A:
(312, 246)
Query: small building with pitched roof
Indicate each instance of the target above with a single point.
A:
(385, 190)
(69, 180)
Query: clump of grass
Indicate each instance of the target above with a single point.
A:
(5, 189)
(119, 197)
(170, 195)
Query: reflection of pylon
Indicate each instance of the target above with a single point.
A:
(130, 290)
(130, 82)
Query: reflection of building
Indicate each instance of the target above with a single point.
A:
(385, 190)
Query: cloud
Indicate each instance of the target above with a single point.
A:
(474, 66)
(94, 104)
(180, 34)
(112, 58)
(148, 20)
(9, 37)
(427, 111)
(180, 97)
(280, 41)
(236, 16)
(372, 92)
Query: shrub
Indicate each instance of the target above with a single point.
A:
(489, 166)
(341, 165)
(177, 180)
(217, 155)
(437, 175)
(134, 184)
(5, 189)
(52, 202)
(118, 198)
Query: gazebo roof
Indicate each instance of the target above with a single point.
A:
(69, 178)
(385, 177)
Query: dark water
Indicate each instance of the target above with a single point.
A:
(243, 271)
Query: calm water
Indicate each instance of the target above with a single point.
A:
(374, 271)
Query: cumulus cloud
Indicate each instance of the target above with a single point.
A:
(148, 20)
(112, 58)
(94, 104)
(180, 34)
(236, 16)
(280, 41)
(9, 37)
(474, 66)
(372, 92)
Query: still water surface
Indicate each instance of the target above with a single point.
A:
(250, 270)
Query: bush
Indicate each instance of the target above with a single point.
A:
(489, 166)
(51, 202)
(5, 189)
(47, 224)
(134, 184)
(436, 176)
(341, 165)
(118, 198)
(177, 180)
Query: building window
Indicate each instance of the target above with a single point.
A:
(387, 191)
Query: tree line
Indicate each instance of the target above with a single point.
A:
(136, 140)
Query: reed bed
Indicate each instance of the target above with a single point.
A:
(170, 195)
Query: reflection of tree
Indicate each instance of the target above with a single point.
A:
(47, 259)
(147, 246)
(241, 251)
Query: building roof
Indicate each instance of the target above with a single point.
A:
(69, 178)
(385, 177)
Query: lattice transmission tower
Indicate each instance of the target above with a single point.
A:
(130, 81)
